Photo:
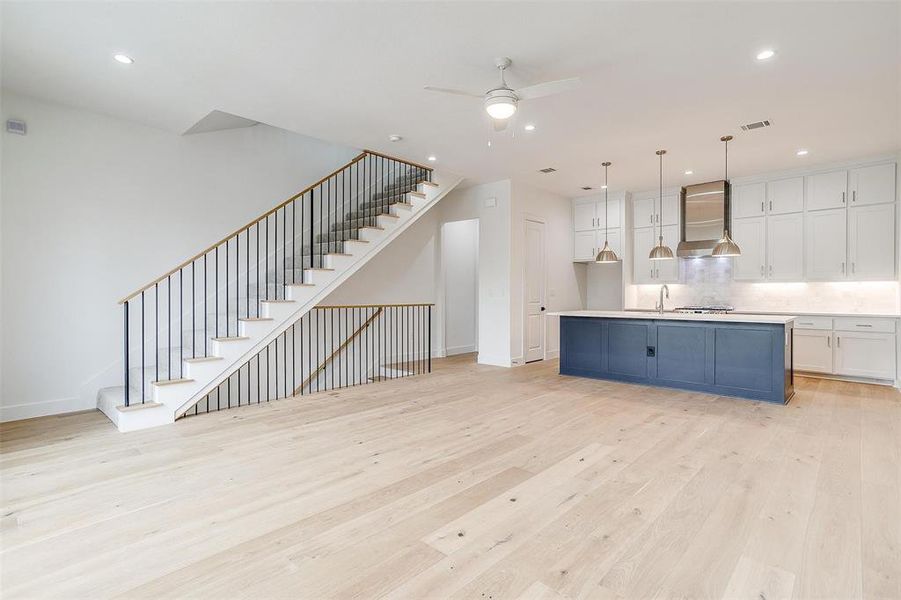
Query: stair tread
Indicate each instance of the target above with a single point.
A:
(337, 254)
(171, 382)
(252, 319)
(202, 359)
(233, 338)
(137, 406)
(276, 301)
(315, 269)
(417, 194)
(431, 183)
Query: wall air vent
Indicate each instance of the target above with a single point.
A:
(547, 170)
(757, 125)
(587, 187)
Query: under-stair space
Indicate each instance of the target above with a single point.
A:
(197, 326)
(330, 347)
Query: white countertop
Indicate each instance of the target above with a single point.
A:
(671, 316)
(794, 313)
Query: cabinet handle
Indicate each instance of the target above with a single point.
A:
(843, 268)
(652, 272)
(761, 206)
(771, 270)
(863, 325)
(843, 197)
(771, 206)
(854, 196)
(838, 341)
(828, 342)
(761, 269)
(852, 267)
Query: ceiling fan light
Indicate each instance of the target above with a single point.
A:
(726, 247)
(500, 108)
(606, 255)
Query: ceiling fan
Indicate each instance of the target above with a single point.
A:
(500, 102)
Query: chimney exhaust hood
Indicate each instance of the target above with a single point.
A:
(705, 214)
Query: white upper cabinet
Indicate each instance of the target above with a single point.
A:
(785, 247)
(826, 242)
(614, 238)
(584, 218)
(611, 214)
(871, 241)
(872, 185)
(642, 241)
(748, 200)
(667, 271)
(785, 196)
(750, 235)
(643, 212)
(670, 212)
(584, 244)
(827, 190)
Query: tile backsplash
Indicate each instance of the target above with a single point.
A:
(709, 281)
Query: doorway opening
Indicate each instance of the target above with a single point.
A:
(460, 261)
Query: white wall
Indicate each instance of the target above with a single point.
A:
(566, 285)
(460, 269)
(94, 207)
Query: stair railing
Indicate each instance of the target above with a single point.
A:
(330, 347)
(175, 316)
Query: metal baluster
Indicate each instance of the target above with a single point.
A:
(169, 327)
(430, 338)
(227, 275)
(206, 316)
(143, 368)
(125, 362)
(181, 324)
(216, 290)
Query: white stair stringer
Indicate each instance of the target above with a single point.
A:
(170, 399)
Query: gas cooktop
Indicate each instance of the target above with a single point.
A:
(714, 309)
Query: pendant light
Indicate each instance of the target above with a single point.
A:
(661, 251)
(726, 247)
(606, 255)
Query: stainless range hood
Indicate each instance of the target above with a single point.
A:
(705, 214)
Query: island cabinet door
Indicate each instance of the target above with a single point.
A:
(580, 345)
(682, 352)
(627, 345)
(745, 358)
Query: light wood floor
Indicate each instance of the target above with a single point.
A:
(473, 482)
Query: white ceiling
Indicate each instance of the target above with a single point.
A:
(674, 75)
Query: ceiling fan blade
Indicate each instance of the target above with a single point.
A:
(548, 88)
(452, 91)
(500, 124)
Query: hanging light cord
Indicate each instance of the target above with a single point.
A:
(606, 213)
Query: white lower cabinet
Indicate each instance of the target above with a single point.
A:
(846, 346)
(860, 354)
(813, 350)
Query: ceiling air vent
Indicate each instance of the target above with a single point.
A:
(547, 170)
(587, 187)
(757, 125)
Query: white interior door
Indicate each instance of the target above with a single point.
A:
(533, 292)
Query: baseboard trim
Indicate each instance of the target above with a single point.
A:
(814, 375)
(18, 412)
(493, 360)
(452, 350)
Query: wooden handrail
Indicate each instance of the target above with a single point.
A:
(403, 160)
(212, 247)
(344, 344)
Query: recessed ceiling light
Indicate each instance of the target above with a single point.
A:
(689, 172)
(529, 127)
(124, 59)
(394, 138)
(801, 152)
(432, 158)
(766, 54)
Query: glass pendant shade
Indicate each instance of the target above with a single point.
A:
(606, 255)
(661, 251)
(726, 247)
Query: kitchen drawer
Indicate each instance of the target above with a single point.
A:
(864, 324)
(813, 323)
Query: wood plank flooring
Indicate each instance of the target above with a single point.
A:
(472, 482)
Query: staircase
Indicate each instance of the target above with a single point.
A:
(194, 328)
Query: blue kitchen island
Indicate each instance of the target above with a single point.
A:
(747, 356)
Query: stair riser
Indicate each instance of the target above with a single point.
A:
(174, 395)
(338, 262)
(231, 350)
(203, 370)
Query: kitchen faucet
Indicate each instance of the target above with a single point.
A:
(659, 307)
